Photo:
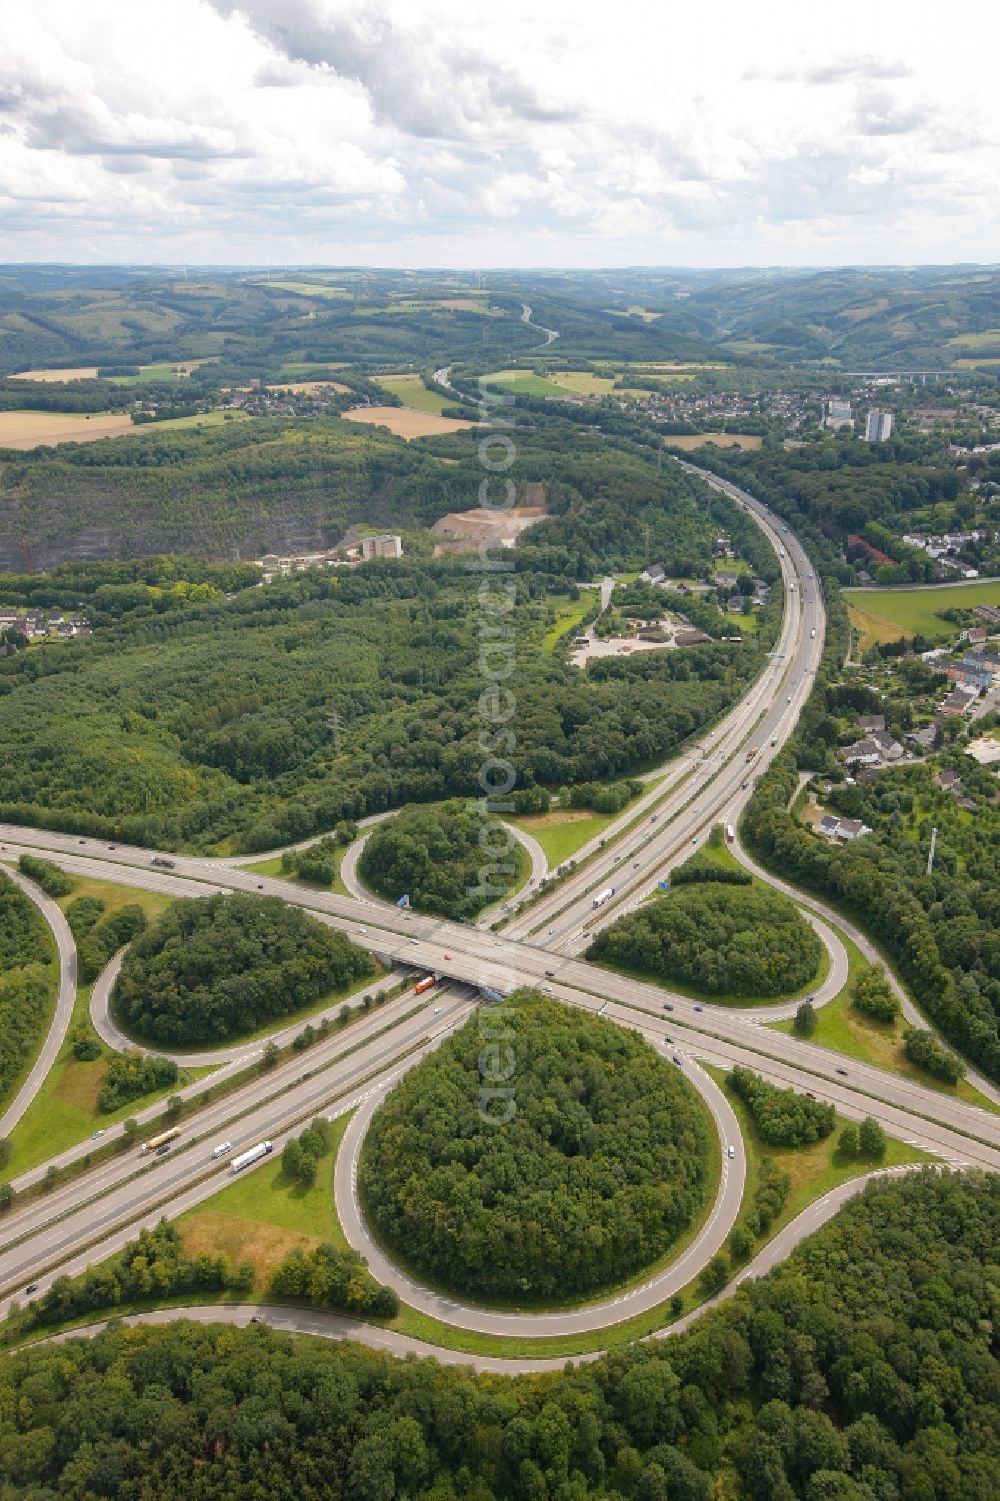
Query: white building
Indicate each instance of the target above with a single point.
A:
(878, 426)
(385, 545)
(839, 414)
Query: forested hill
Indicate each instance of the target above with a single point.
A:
(189, 718)
(240, 490)
(275, 484)
(863, 1369)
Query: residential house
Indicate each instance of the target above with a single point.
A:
(862, 753)
(889, 749)
(841, 828)
(950, 781)
(852, 828)
(653, 574)
(959, 701)
(870, 722)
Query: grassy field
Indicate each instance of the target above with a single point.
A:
(309, 387)
(308, 288)
(413, 393)
(294, 371)
(45, 429)
(264, 1215)
(405, 422)
(199, 419)
(523, 383)
(568, 613)
(747, 441)
(563, 831)
(634, 312)
(888, 614)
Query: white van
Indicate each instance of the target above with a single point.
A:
(222, 1149)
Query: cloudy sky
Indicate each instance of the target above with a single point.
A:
(452, 132)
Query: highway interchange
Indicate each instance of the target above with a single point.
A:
(93, 1214)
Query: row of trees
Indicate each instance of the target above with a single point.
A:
(560, 1157)
(328, 1278)
(863, 1368)
(212, 968)
(97, 939)
(783, 1117)
(53, 881)
(720, 939)
(131, 1075)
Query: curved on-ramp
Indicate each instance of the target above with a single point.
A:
(357, 889)
(587, 1317)
(65, 997)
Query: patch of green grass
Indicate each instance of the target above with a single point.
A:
(273, 868)
(568, 613)
(746, 623)
(845, 1029)
(200, 419)
(264, 1214)
(114, 895)
(413, 393)
(563, 831)
(887, 614)
(524, 383)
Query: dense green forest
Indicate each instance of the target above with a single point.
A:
(433, 856)
(589, 1159)
(28, 979)
(214, 968)
(862, 1369)
(721, 938)
(278, 713)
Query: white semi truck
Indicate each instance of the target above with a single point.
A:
(248, 1158)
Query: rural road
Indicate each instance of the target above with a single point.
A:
(65, 997)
